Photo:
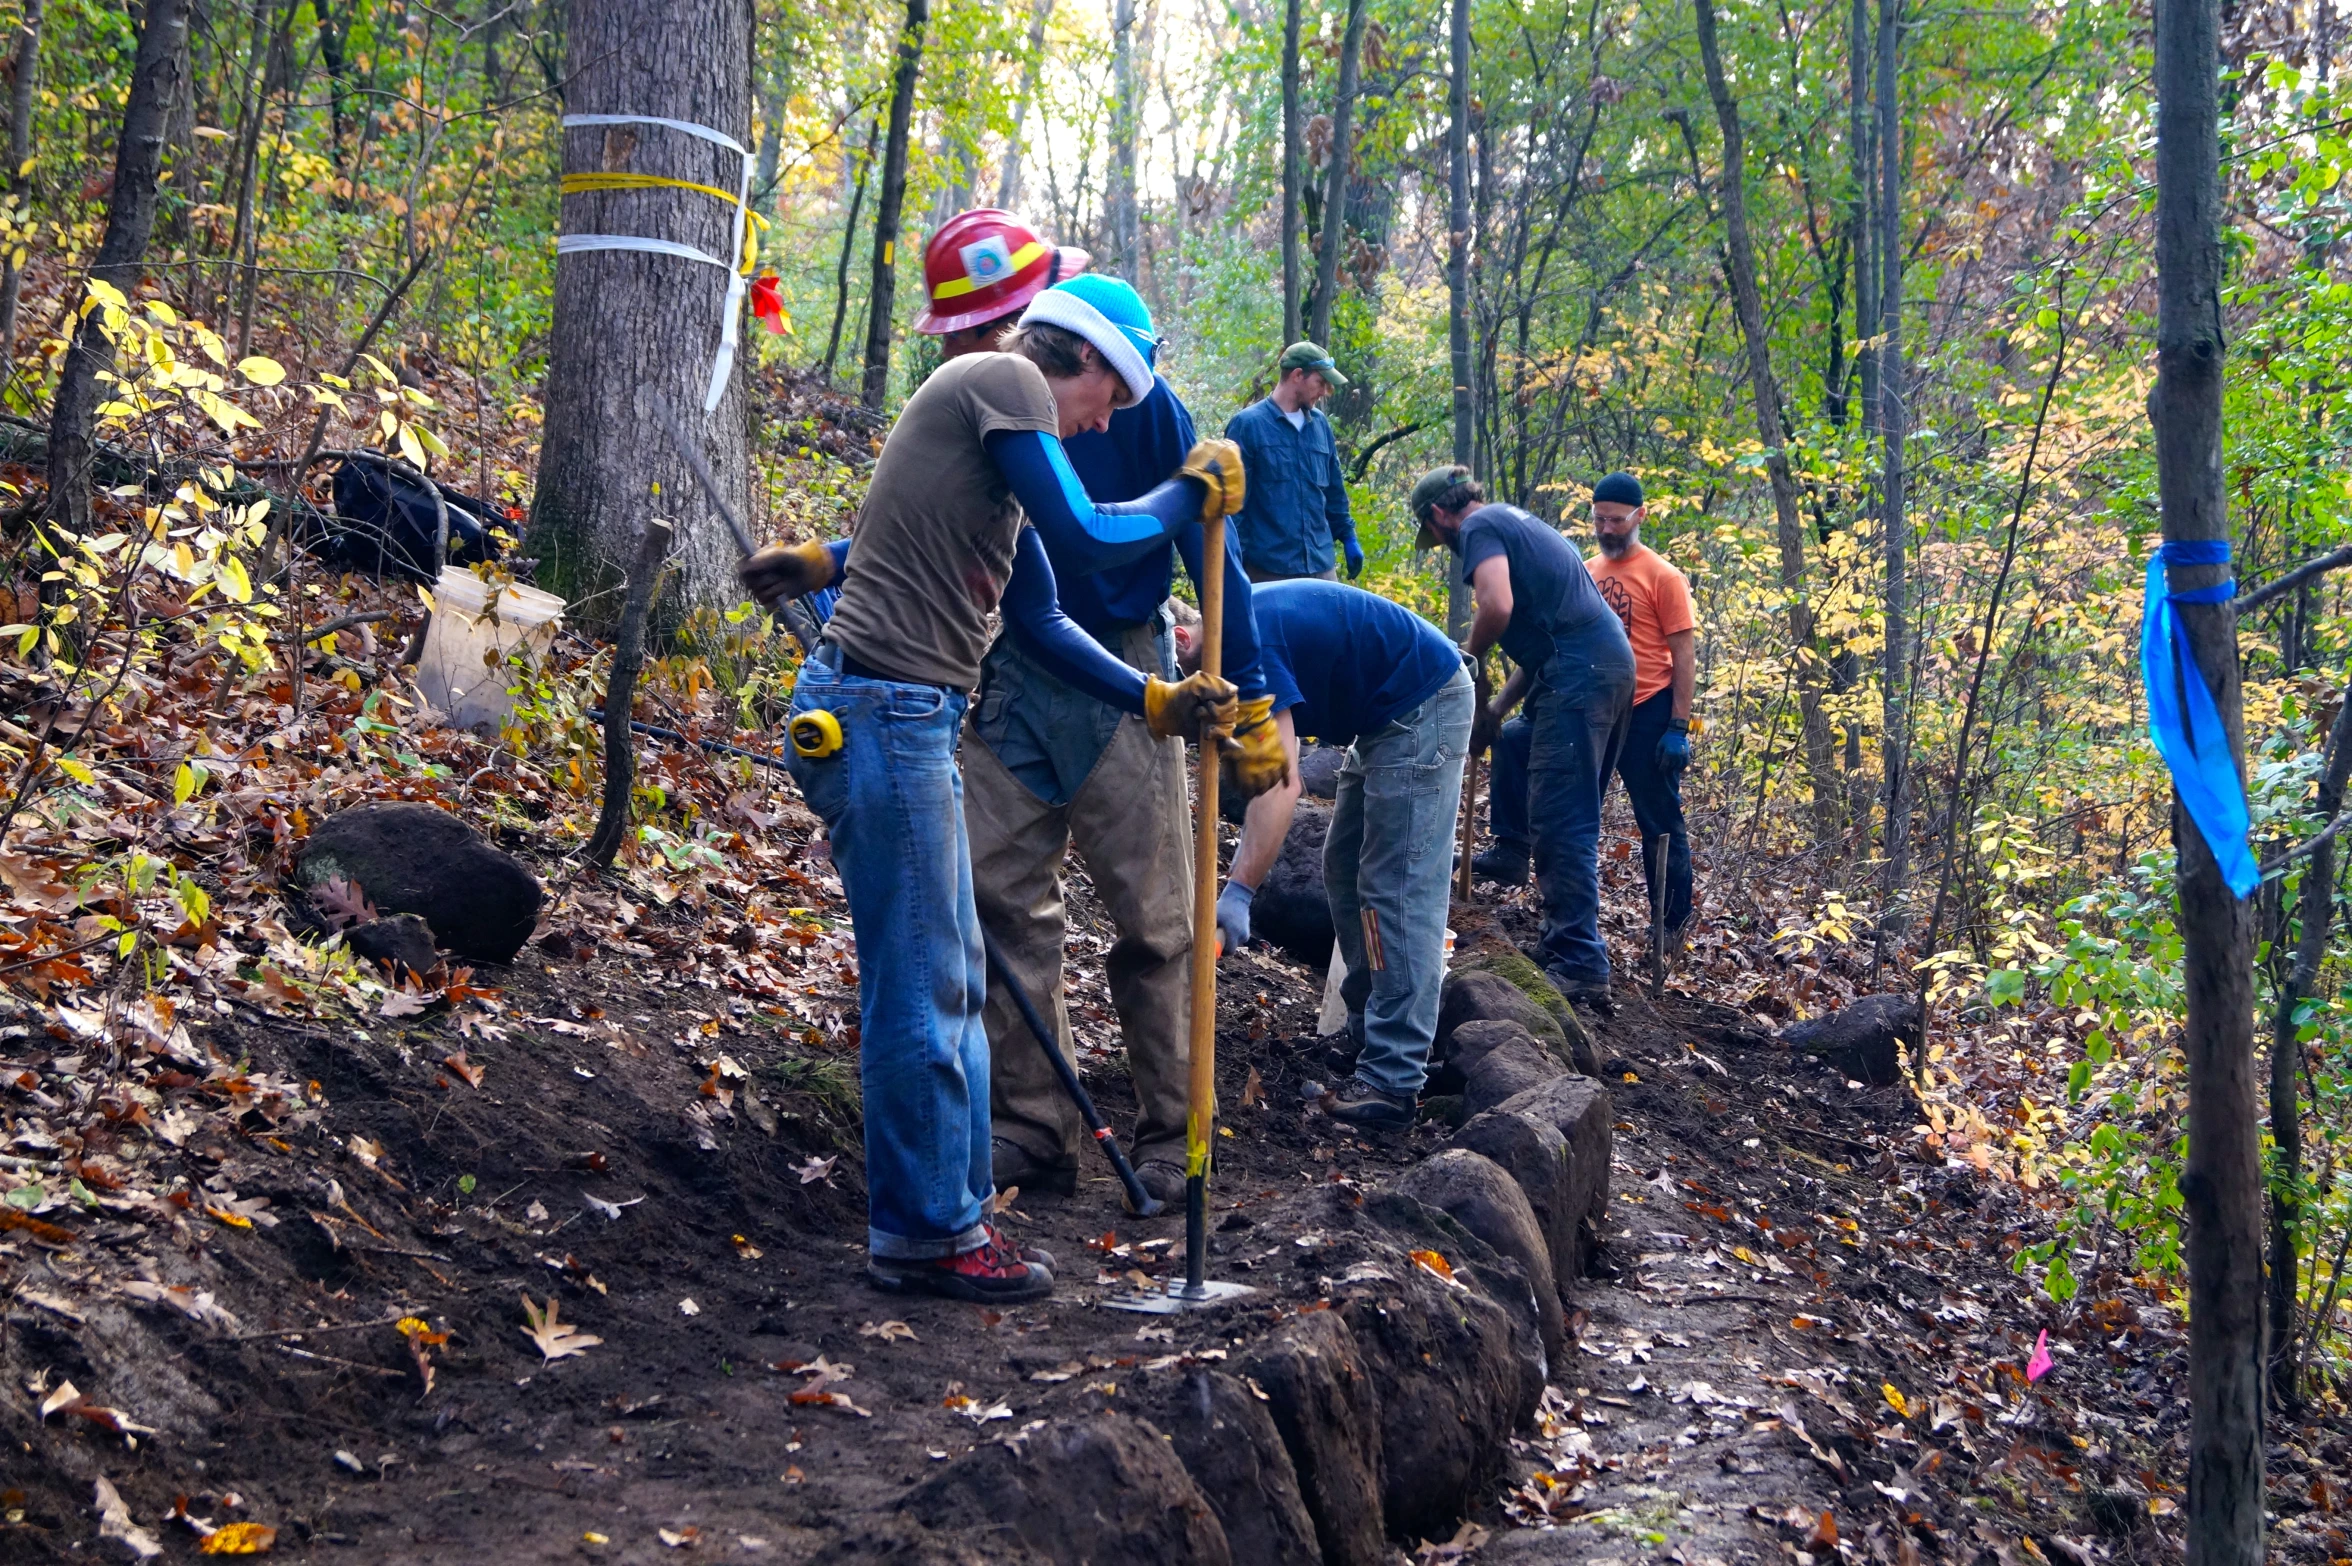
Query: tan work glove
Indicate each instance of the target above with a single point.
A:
(1255, 761)
(784, 571)
(1177, 711)
(1216, 463)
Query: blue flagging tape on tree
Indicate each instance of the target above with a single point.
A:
(2182, 718)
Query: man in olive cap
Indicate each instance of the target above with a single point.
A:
(1575, 670)
(1296, 512)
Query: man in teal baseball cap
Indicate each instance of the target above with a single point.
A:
(1295, 519)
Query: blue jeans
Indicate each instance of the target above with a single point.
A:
(1656, 797)
(1654, 793)
(1388, 864)
(1551, 765)
(892, 800)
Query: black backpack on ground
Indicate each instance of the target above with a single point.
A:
(384, 524)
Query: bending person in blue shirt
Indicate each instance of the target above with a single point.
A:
(1352, 669)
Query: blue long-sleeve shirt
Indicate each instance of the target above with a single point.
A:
(1295, 513)
(1145, 444)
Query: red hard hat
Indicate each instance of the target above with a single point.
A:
(983, 265)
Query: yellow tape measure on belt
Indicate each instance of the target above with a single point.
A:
(814, 734)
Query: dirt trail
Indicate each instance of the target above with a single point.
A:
(1794, 1342)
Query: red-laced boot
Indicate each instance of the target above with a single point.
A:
(992, 1273)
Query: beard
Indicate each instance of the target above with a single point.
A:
(1618, 546)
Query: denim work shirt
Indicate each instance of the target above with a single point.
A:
(1295, 506)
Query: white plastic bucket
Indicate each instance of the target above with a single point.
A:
(463, 669)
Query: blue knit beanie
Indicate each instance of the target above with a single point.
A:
(1620, 488)
(1109, 314)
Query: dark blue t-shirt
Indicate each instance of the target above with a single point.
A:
(1143, 446)
(1347, 662)
(1555, 609)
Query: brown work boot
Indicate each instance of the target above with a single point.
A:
(1012, 1165)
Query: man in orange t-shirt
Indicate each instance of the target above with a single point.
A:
(1653, 600)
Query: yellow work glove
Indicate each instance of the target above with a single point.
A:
(1216, 463)
(1177, 711)
(1255, 760)
(785, 571)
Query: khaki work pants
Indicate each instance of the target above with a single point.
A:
(1131, 823)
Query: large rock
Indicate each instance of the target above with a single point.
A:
(1326, 1406)
(1534, 1154)
(1508, 1069)
(1226, 1436)
(1456, 1354)
(1457, 1372)
(1078, 1493)
(1291, 909)
(1579, 1109)
(1465, 1047)
(1529, 980)
(1482, 1197)
(416, 859)
(1862, 1038)
(1474, 995)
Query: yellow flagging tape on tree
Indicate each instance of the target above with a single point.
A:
(582, 184)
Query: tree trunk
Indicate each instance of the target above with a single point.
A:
(130, 223)
(1458, 278)
(1008, 184)
(2316, 912)
(849, 232)
(889, 204)
(1351, 53)
(2221, 1179)
(1124, 114)
(25, 67)
(1891, 396)
(257, 49)
(331, 38)
(1858, 145)
(620, 690)
(634, 333)
(182, 178)
(1293, 155)
(1772, 431)
(775, 105)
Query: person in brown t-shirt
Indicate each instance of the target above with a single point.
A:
(943, 536)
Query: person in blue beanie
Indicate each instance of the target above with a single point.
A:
(1348, 668)
(971, 482)
(1296, 513)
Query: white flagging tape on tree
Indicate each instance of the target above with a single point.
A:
(568, 244)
